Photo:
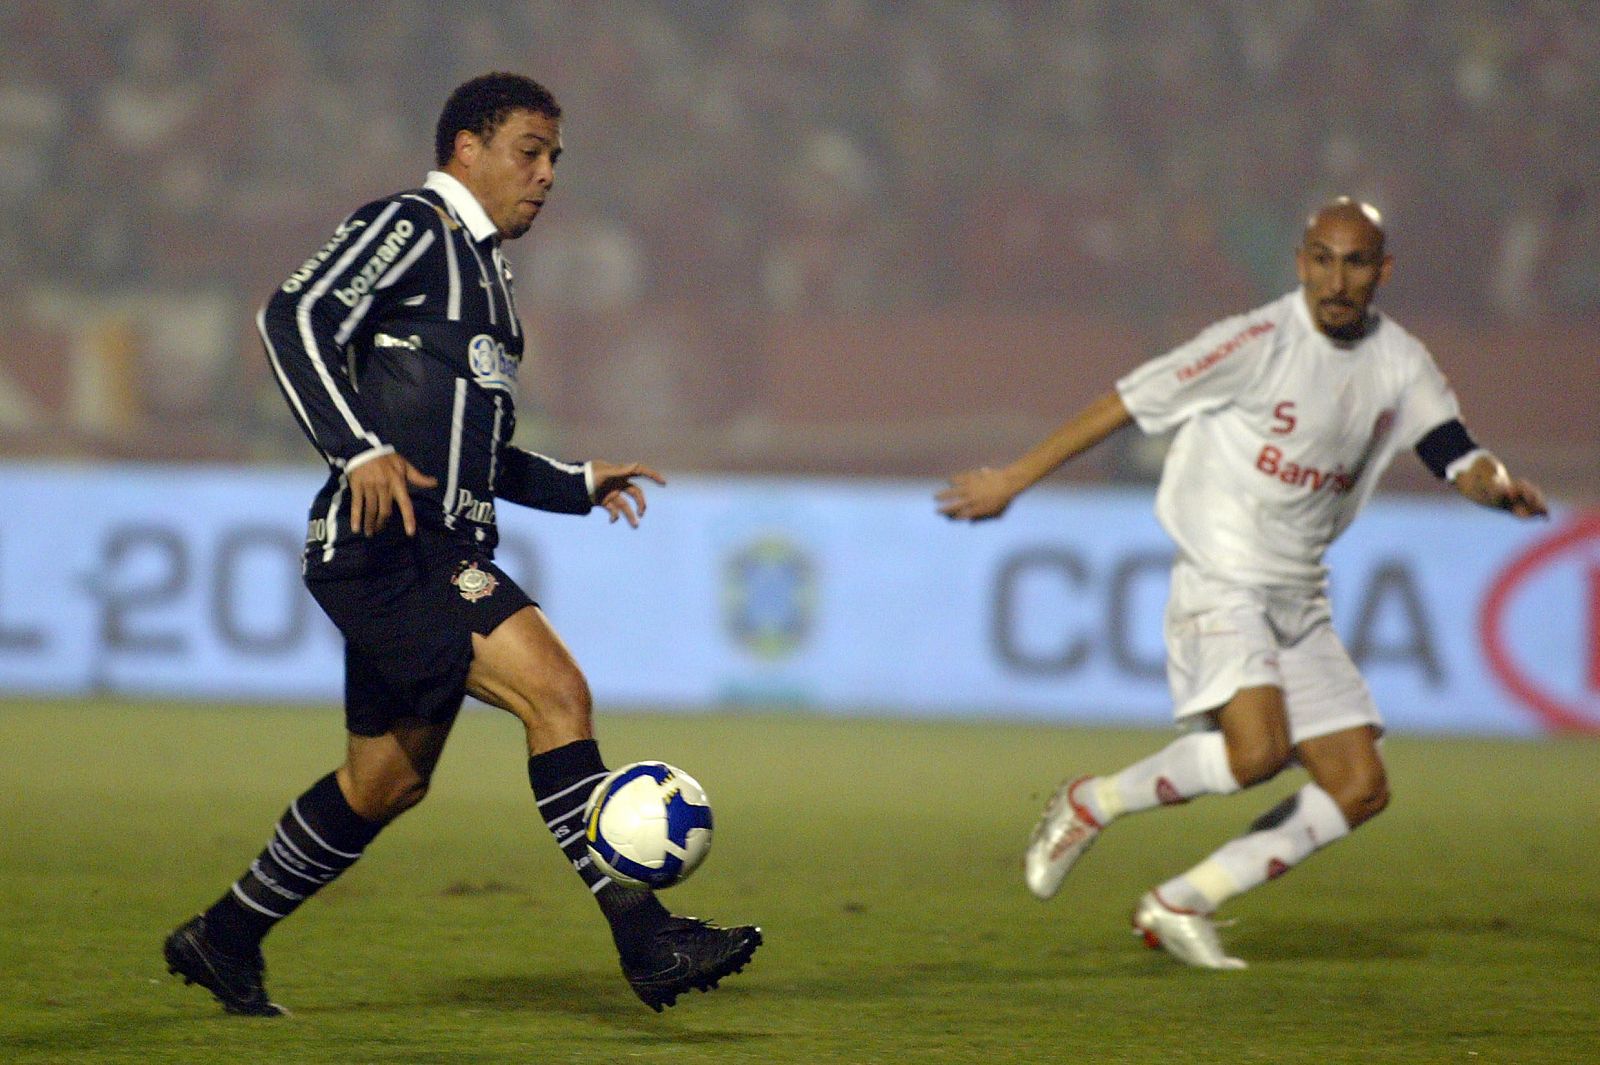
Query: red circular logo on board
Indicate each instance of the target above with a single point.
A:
(1568, 560)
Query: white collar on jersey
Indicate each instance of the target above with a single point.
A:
(463, 202)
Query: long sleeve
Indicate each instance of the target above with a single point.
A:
(310, 319)
(543, 483)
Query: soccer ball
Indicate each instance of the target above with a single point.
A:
(648, 824)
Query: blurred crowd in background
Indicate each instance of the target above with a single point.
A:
(833, 236)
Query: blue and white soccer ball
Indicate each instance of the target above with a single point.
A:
(648, 824)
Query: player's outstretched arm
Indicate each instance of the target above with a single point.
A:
(615, 490)
(1487, 483)
(379, 487)
(986, 493)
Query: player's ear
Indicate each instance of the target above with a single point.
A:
(467, 145)
(1385, 269)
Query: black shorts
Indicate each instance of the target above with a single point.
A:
(408, 629)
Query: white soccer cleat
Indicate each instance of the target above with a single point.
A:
(1188, 936)
(1063, 833)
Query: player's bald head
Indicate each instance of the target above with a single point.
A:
(1341, 263)
(1350, 215)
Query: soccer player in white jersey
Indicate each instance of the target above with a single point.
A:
(1285, 418)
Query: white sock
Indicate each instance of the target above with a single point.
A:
(1191, 765)
(1283, 837)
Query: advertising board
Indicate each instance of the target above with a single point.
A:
(833, 596)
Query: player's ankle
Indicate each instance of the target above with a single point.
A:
(634, 915)
(1201, 890)
(1099, 798)
(233, 929)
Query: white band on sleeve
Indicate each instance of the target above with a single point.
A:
(1464, 463)
(588, 480)
(367, 456)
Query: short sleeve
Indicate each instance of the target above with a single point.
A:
(1203, 375)
(1428, 400)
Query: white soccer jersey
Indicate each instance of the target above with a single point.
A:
(1282, 434)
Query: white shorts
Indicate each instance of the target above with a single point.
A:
(1221, 638)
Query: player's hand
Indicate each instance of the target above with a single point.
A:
(1522, 498)
(1487, 482)
(977, 495)
(380, 486)
(615, 491)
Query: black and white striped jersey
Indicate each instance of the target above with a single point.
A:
(401, 335)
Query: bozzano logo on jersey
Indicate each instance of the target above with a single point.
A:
(373, 268)
(298, 279)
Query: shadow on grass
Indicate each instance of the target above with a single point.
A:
(602, 998)
(1328, 940)
(78, 1038)
(1387, 938)
(608, 1000)
(865, 985)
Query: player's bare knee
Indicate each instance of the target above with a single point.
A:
(1363, 799)
(1377, 802)
(369, 805)
(1361, 789)
(382, 799)
(404, 794)
(1258, 760)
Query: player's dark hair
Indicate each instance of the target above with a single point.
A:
(480, 105)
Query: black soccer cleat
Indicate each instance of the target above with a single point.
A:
(685, 953)
(235, 981)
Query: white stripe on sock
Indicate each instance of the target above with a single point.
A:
(569, 815)
(567, 791)
(294, 808)
(309, 861)
(274, 848)
(254, 905)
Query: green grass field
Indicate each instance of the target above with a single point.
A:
(882, 858)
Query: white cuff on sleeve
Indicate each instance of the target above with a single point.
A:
(588, 480)
(367, 456)
(1463, 464)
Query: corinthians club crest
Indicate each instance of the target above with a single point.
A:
(473, 582)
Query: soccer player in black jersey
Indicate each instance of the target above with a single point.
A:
(397, 347)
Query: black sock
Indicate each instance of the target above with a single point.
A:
(318, 837)
(562, 780)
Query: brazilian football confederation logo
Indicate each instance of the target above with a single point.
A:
(769, 596)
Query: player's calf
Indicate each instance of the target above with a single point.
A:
(318, 837)
(1279, 840)
(1190, 766)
